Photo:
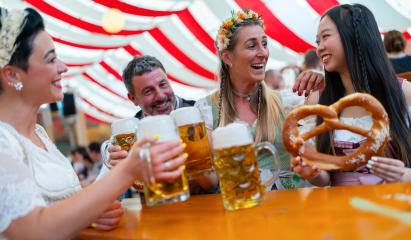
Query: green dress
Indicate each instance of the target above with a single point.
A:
(287, 179)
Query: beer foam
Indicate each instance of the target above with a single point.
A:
(234, 134)
(186, 115)
(122, 126)
(161, 125)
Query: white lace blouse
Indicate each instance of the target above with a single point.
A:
(31, 176)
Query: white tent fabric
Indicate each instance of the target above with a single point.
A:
(181, 34)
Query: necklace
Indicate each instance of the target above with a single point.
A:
(245, 95)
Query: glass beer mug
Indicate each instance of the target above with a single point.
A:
(165, 191)
(235, 162)
(194, 134)
(124, 135)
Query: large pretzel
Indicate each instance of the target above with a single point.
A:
(374, 144)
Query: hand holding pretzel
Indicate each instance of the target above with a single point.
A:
(374, 144)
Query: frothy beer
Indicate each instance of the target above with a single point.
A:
(193, 133)
(236, 165)
(124, 132)
(165, 191)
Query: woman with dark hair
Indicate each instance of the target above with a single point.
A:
(40, 194)
(351, 49)
(395, 44)
(243, 95)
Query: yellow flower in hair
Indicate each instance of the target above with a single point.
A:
(229, 26)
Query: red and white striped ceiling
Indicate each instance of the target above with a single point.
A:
(181, 34)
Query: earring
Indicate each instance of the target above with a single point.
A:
(18, 85)
(230, 65)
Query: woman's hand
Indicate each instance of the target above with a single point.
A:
(309, 80)
(389, 169)
(110, 219)
(312, 173)
(167, 159)
(115, 155)
(305, 171)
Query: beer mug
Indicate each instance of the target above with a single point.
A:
(193, 133)
(166, 191)
(124, 135)
(235, 162)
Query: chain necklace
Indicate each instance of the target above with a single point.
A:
(247, 96)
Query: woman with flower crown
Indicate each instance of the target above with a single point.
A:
(40, 194)
(243, 95)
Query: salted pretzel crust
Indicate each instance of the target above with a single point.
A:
(374, 144)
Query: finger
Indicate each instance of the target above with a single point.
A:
(310, 83)
(114, 163)
(298, 81)
(119, 155)
(113, 148)
(386, 175)
(170, 175)
(171, 164)
(385, 167)
(114, 213)
(114, 205)
(159, 157)
(303, 83)
(166, 146)
(319, 83)
(102, 227)
(106, 222)
(389, 161)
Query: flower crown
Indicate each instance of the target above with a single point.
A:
(229, 26)
(12, 23)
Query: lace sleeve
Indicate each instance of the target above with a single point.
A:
(18, 192)
(206, 112)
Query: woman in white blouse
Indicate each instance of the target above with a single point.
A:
(40, 194)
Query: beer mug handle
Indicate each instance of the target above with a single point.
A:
(268, 146)
(105, 153)
(145, 155)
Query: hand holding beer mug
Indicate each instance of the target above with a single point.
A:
(194, 134)
(173, 190)
(123, 137)
(235, 161)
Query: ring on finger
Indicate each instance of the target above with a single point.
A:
(167, 165)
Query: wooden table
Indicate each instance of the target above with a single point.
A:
(360, 212)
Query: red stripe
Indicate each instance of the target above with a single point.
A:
(406, 35)
(322, 6)
(195, 28)
(94, 119)
(58, 14)
(101, 85)
(78, 64)
(97, 108)
(85, 46)
(111, 70)
(275, 28)
(133, 52)
(179, 55)
(131, 9)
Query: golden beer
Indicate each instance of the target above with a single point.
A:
(198, 148)
(237, 170)
(159, 192)
(125, 141)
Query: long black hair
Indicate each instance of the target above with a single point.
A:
(371, 72)
(33, 24)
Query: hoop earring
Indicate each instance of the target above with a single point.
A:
(17, 85)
